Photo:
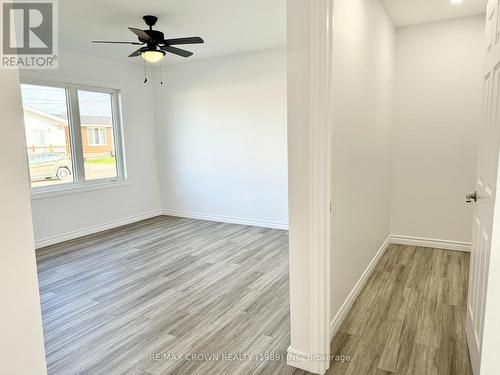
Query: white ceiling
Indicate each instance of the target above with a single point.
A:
(228, 26)
(412, 12)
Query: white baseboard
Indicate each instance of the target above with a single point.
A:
(431, 242)
(303, 361)
(226, 219)
(346, 306)
(94, 229)
(47, 241)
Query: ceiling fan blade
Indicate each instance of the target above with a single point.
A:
(113, 42)
(141, 34)
(176, 51)
(136, 53)
(189, 40)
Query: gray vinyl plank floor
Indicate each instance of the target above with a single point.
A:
(179, 296)
(409, 319)
(167, 296)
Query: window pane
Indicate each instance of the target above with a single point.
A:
(96, 118)
(47, 135)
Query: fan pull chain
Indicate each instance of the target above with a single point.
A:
(161, 74)
(145, 77)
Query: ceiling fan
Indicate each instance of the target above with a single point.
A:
(155, 45)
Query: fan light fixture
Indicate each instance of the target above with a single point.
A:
(153, 56)
(154, 45)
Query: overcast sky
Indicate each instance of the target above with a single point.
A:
(53, 100)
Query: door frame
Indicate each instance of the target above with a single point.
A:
(310, 62)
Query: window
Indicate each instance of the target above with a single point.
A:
(97, 136)
(46, 108)
(38, 137)
(96, 115)
(73, 135)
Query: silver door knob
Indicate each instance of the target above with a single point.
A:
(471, 197)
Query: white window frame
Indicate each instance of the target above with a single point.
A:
(79, 183)
(104, 133)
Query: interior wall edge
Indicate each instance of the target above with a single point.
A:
(21, 344)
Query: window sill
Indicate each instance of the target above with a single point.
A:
(76, 189)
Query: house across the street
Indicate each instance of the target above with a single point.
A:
(46, 132)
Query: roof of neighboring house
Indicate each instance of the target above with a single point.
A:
(62, 118)
(97, 120)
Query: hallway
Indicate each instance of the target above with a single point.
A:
(409, 317)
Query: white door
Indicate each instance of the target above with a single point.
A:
(483, 308)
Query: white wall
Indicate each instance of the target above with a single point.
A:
(62, 215)
(222, 138)
(363, 87)
(437, 112)
(21, 341)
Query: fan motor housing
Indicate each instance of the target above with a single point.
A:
(155, 35)
(150, 20)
